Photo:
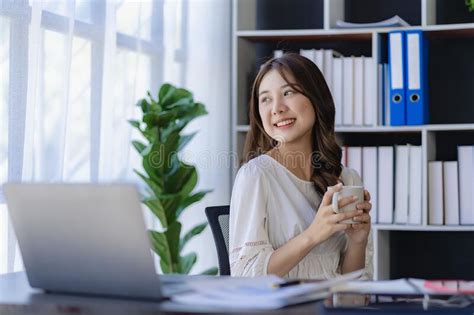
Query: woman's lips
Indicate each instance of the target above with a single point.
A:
(286, 123)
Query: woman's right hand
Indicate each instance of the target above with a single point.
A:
(326, 221)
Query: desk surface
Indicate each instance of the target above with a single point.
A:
(17, 297)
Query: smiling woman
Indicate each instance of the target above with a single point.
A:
(293, 87)
(281, 217)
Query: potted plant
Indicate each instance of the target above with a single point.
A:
(470, 5)
(169, 181)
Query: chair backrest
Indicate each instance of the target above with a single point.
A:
(218, 218)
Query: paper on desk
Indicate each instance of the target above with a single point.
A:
(400, 286)
(247, 302)
(394, 287)
(256, 293)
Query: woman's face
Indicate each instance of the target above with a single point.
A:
(287, 115)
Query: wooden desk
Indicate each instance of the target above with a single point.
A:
(17, 297)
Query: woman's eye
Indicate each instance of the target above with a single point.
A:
(264, 100)
(288, 92)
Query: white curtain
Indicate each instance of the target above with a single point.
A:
(71, 73)
(204, 55)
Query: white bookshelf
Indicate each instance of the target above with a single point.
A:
(427, 228)
(383, 129)
(248, 40)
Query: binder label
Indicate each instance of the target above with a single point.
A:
(413, 61)
(396, 60)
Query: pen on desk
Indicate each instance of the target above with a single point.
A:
(293, 282)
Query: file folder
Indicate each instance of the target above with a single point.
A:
(416, 85)
(401, 183)
(385, 178)
(396, 52)
(348, 92)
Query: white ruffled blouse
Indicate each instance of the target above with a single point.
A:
(269, 206)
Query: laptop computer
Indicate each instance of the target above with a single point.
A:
(85, 238)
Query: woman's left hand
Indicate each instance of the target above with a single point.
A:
(358, 233)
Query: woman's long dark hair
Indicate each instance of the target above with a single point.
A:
(326, 155)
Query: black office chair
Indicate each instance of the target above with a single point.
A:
(218, 218)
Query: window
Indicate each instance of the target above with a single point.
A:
(71, 73)
(4, 83)
(69, 82)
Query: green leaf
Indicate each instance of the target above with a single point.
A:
(151, 134)
(160, 246)
(182, 94)
(150, 170)
(187, 262)
(197, 110)
(144, 105)
(134, 123)
(193, 232)
(184, 140)
(170, 205)
(156, 160)
(171, 144)
(166, 91)
(174, 165)
(190, 200)
(164, 118)
(172, 235)
(178, 98)
(176, 183)
(150, 119)
(154, 204)
(155, 188)
(213, 271)
(183, 102)
(146, 151)
(169, 129)
(156, 108)
(150, 96)
(139, 146)
(190, 183)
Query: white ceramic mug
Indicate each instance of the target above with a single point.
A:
(347, 191)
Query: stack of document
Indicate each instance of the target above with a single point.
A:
(391, 22)
(408, 286)
(352, 82)
(267, 292)
(451, 190)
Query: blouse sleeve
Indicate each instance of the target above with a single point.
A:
(352, 178)
(249, 246)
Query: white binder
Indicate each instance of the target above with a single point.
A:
(370, 92)
(369, 177)
(415, 195)
(451, 193)
(435, 193)
(401, 184)
(358, 91)
(385, 180)
(466, 186)
(337, 89)
(348, 94)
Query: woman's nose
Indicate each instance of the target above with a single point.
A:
(278, 107)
